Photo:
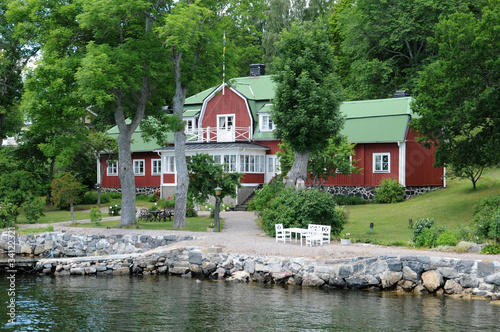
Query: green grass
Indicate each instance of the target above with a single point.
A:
(195, 224)
(450, 207)
(35, 230)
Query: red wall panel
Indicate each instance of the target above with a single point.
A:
(252, 178)
(169, 178)
(272, 145)
(419, 164)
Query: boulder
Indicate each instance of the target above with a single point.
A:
(240, 276)
(493, 279)
(452, 287)
(311, 280)
(432, 280)
(389, 279)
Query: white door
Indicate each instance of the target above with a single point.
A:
(272, 167)
(225, 128)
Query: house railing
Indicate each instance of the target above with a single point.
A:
(214, 134)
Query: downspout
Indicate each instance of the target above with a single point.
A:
(444, 176)
(161, 173)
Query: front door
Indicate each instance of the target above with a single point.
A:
(272, 167)
(225, 128)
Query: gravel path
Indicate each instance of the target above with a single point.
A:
(241, 234)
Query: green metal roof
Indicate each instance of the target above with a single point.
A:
(138, 143)
(190, 113)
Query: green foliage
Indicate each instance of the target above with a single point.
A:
(264, 196)
(491, 249)
(429, 236)
(468, 234)
(95, 214)
(446, 239)
(301, 208)
(153, 208)
(19, 186)
(33, 209)
(307, 99)
(146, 198)
(115, 195)
(350, 200)
(114, 210)
(168, 202)
(90, 197)
(190, 211)
(65, 191)
(389, 191)
(420, 225)
(486, 217)
(205, 176)
(8, 213)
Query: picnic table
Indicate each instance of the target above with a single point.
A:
(301, 231)
(158, 215)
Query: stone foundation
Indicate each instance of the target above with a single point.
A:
(418, 274)
(138, 190)
(368, 193)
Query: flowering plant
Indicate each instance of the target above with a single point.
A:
(346, 236)
(114, 210)
(211, 225)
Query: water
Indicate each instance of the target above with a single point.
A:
(161, 303)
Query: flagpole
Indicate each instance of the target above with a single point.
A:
(224, 65)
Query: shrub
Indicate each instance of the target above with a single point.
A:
(114, 210)
(153, 208)
(113, 194)
(18, 186)
(428, 237)
(486, 217)
(264, 196)
(468, 234)
(95, 214)
(301, 208)
(168, 202)
(90, 197)
(463, 246)
(446, 239)
(491, 249)
(33, 209)
(389, 191)
(65, 191)
(420, 225)
(8, 213)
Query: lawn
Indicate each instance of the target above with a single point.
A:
(450, 207)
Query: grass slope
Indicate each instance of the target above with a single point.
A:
(450, 206)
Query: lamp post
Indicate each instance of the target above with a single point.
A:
(218, 191)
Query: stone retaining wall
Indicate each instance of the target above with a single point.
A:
(138, 190)
(368, 193)
(56, 244)
(418, 274)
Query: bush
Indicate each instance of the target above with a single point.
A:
(468, 234)
(90, 197)
(486, 217)
(429, 236)
(95, 214)
(114, 210)
(168, 202)
(65, 191)
(301, 208)
(113, 194)
(447, 239)
(33, 209)
(420, 225)
(8, 213)
(390, 191)
(18, 186)
(491, 249)
(264, 196)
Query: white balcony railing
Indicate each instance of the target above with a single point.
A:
(214, 134)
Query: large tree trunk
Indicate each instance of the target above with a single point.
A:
(298, 170)
(181, 190)
(51, 176)
(127, 179)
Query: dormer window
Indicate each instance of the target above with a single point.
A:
(266, 124)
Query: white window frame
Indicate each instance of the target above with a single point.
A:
(252, 163)
(381, 155)
(266, 124)
(143, 167)
(156, 166)
(112, 169)
(169, 164)
(350, 162)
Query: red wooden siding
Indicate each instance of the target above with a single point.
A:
(364, 155)
(272, 145)
(229, 103)
(252, 178)
(419, 164)
(146, 180)
(169, 178)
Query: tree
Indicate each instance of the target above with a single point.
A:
(66, 192)
(387, 43)
(192, 34)
(460, 93)
(123, 72)
(307, 100)
(335, 159)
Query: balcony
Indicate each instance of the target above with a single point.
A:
(214, 134)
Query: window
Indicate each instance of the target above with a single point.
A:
(156, 166)
(252, 164)
(170, 164)
(139, 167)
(266, 124)
(273, 164)
(350, 163)
(381, 163)
(113, 169)
(189, 126)
(226, 122)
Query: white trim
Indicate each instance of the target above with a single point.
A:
(388, 162)
(98, 169)
(402, 163)
(143, 173)
(261, 122)
(113, 173)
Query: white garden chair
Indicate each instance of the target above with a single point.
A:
(281, 234)
(326, 231)
(314, 235)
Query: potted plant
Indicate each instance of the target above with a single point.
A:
(210, 228)
(345, 239)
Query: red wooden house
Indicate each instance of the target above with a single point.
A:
(232, 123)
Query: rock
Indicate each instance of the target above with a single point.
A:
(493, 279)
(311, 280)
(121, 271)
(337, 282)
(281, 276)
(468, 281)
(394, 265)
(25, 249)
(409, 274)
(407, 285)
(195, 257)
(452, 287)
(448, 272)
(432, 280)
(345, 271)
(187, 275)
(240, 276)
(357, 282)
(90, 270)
(389, 279)
(77, 271)
(419, 289)
(250, 266)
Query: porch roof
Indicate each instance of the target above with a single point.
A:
(217, 146)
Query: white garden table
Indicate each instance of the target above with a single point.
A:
(296, 230)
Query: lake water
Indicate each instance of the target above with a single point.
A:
(161, 303)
